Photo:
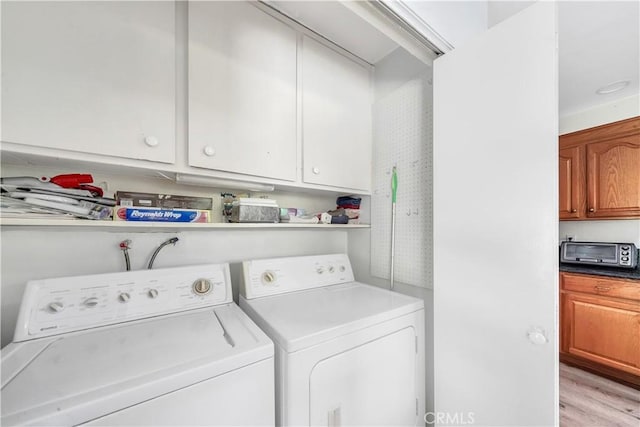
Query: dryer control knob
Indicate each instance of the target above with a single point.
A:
(202, 286)
(152, 293)
(124, 297)
(56, 307)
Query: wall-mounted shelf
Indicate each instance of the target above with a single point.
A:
(163, 226)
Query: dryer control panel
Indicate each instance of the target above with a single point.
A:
(67, 304)
(274, 276)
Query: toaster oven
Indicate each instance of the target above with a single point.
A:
(604, 254)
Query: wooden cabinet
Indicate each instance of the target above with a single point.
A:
(90, 77)
(336, 118)
(242, 91)
(572, 180)
(600, 172)
(600, 324)
(613, 178)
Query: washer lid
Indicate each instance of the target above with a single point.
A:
(301, 319)
(73, 378)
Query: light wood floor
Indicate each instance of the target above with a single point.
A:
(587, 400)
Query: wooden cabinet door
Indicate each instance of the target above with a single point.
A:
(90, 77)
(605, 331)
(336, 118)
(242, 90)
(613, 177)
(571, 191)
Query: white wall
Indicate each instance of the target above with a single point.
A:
(495, 210)
(627, 230)
(498, 11)
(621, 109)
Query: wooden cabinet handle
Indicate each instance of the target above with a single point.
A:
(574, 210)
(600, 288)
(591, 210)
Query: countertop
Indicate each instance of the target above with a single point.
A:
(623, 273)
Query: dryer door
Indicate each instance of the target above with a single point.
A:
(372, 384)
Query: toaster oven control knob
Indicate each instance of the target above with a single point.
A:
(90, 302)
(152, 293)
(625, 253)
(268, 277)
(56, 307)
(124, 297)
(625, 248)
(625, 258)
(202, 286)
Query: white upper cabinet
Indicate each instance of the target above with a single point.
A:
(336, 118)
(91, 77)
(242, 91)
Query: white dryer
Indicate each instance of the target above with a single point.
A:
(152, 347)
(347, 353)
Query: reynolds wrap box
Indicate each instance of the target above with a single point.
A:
(133, 213)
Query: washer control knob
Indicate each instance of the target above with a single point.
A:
(152, 293)
(202, 286)
(56, 307)
(268, 277)
(320, 270)
(90, 302)
(342, 269)
(315, 170)
(332, 269)
(124, 297)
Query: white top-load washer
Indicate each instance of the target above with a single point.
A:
(347, 353)
(152, 347)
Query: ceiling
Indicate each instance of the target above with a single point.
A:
(599, 41)
(599, 44)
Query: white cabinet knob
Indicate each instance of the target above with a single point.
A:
(209, 151)
(315, 170)
(151, 141)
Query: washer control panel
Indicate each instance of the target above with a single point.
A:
(60, 305)
(281, 275)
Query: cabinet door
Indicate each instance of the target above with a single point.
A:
(613, 178)
(92, 77)
(571, 183)
(602, 330)
(242, 90)
(336, 118)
